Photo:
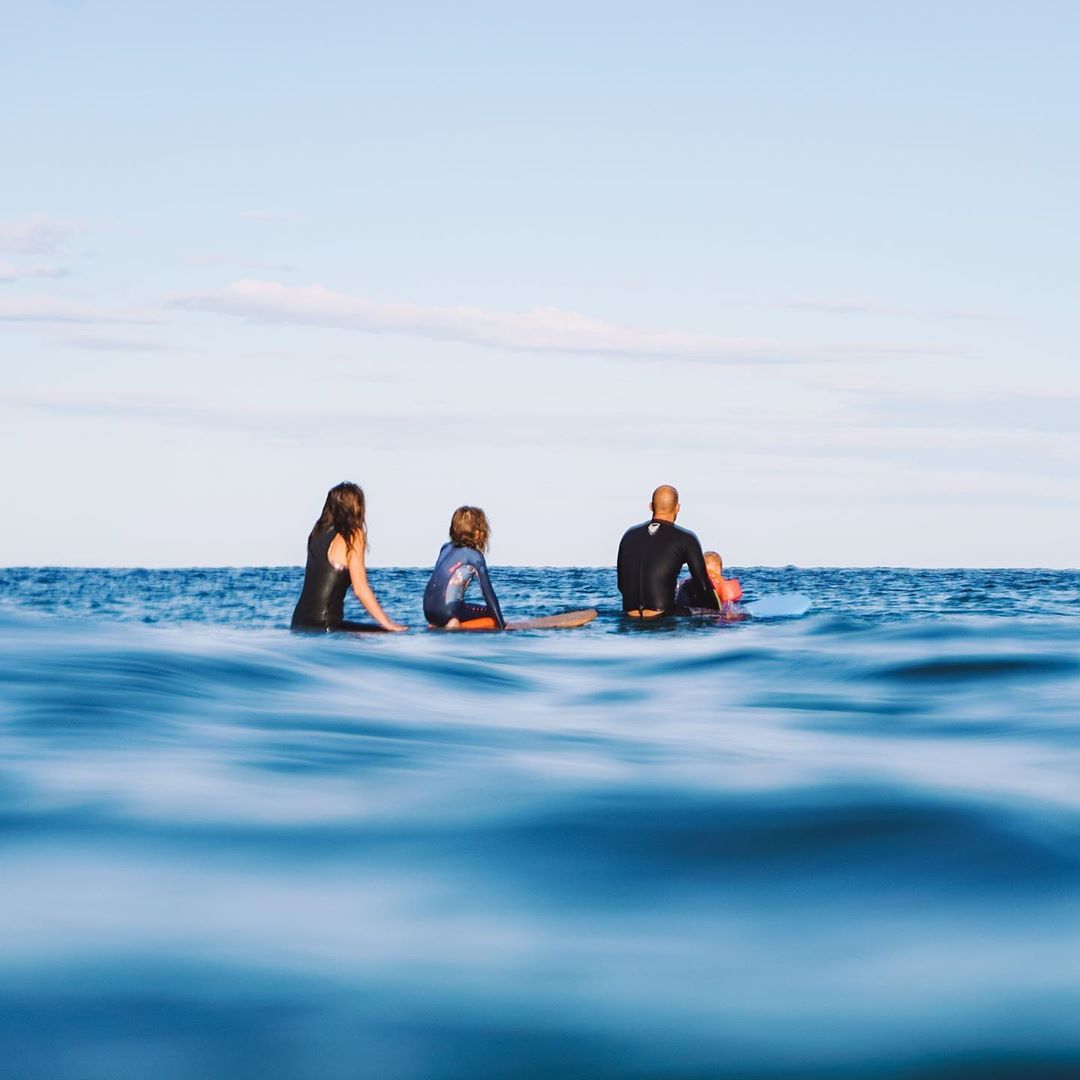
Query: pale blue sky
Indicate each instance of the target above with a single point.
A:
(812, 263)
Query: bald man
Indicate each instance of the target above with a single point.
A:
(651, 556)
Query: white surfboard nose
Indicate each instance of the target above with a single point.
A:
(782, 606)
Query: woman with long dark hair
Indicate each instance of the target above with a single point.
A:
(335, 557)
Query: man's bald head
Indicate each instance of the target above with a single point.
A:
(665, 502)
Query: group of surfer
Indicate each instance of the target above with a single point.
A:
(651, 556)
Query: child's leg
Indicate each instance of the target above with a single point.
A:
(474, 617)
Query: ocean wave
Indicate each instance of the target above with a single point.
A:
(847, 844)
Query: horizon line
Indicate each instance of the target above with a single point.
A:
(531, 566)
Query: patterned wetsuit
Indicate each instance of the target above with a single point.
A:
(444, 597)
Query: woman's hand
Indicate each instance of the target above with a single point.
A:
(358, 575)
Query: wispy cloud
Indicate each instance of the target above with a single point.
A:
(841, 306)
(539, 330)
(857, 306)
(970, 315)
(94, 342)
(37, 234)
(47, 310)
(1028, 409)
(270, 215)
(9, 273)
(272, 424)
(873, 459)
(240, 264)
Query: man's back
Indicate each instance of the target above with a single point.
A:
(650, 558)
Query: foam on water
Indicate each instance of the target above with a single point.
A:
(847, 844)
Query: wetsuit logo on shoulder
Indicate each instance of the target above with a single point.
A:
(653, 527)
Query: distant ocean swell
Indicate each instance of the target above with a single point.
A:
(846, 845)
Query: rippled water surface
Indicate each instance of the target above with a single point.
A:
(841, 845)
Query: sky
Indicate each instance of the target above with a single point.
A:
(812, 263)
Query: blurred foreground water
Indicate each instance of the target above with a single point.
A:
(843, 845)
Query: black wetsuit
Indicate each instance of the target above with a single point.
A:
(322, 601)
(650, 558)
(690, 595)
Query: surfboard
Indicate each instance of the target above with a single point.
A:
(566, 620)
(780, 606)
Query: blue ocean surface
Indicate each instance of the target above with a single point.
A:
(843, 845)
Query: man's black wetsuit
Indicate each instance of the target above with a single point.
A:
(690, 595)
(650, 558)
(322, 601)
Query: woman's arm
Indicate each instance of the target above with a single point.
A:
(358, 577)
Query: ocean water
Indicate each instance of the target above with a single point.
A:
(844, 845)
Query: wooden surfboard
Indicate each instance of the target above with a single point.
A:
(563, 621)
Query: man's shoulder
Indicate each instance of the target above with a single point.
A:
(686, 534)
(639, 527)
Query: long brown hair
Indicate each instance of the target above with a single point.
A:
(344, 513)
(469, 528)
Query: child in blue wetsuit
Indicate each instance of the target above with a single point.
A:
(460, 562)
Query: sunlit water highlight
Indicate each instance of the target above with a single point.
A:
(847, 844)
